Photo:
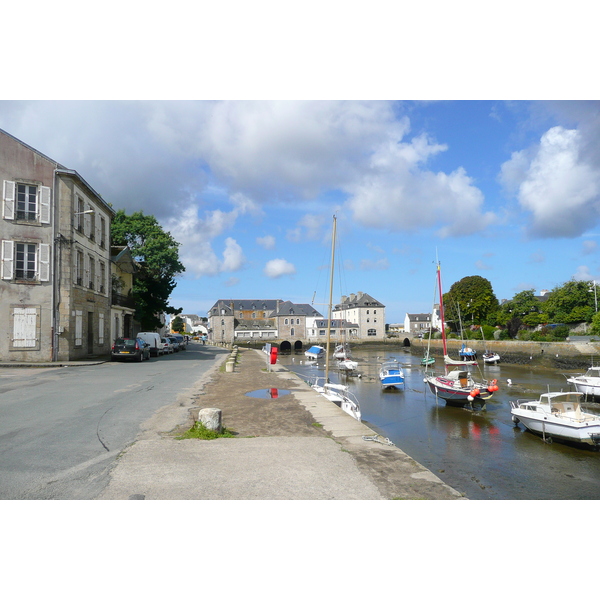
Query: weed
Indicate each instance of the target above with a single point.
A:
(200, 432)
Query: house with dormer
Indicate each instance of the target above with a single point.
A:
(365, 312)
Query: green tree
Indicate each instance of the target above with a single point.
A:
(472, 299)
(178, 325)
(525, 307)
(570, 302)
(157, 253)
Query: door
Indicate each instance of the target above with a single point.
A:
(90, 333)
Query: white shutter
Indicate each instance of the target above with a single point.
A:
(24, 327)
(9, 200)
(87, 223)
(7, 259)
(44, 203)
(78, 327)
(44, 262)
(101, 328)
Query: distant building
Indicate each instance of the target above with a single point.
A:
(363, 310)
(122, 269)
(420, 322)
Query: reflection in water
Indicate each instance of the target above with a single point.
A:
(480, 453)
(267, 393)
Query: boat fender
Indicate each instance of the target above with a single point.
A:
(475, 392)
(494, 386)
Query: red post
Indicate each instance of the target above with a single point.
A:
(273, 356)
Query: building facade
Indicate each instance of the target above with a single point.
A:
(55, 259)
(363, 310)
(122, 270)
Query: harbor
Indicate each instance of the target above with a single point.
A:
(481, 453)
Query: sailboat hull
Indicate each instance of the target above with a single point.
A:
(444, 388)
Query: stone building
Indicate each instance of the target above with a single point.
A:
(122, 270)
(363, 310)
(55, 259)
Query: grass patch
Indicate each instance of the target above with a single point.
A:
(200, 432)
(317, 425)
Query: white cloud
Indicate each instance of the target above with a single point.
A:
(278, 267)
(556, 184)
(374, 265)
(479, 264)
(582, 274)
(267, 242)
(589, 247)
(233, 257)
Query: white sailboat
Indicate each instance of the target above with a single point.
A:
(337, 393)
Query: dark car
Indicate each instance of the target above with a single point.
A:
(130, 349)
(180, 339)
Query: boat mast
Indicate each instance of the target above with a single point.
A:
(330, 301)
(439, 278)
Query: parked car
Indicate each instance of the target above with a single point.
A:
(167, 345)
(174, 342)
(152, 338)
(181, 340)
(130, 349)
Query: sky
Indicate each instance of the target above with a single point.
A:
(245, 158)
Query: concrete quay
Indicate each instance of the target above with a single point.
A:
(294, 446)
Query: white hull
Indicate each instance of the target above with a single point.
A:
(491, 360)
(339, 395)
(558, 415)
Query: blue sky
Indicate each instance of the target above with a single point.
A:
(508, 190)
(244, 136)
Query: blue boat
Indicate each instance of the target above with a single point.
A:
(391, 374)
(315, 352)
(467, 353)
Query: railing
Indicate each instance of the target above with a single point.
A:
(121, 300)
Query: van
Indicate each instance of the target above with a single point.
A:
(152, 338)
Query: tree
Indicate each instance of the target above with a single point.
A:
(570, 302)
(472, 298)
(178, 325)
(156, 252)
(525, 307)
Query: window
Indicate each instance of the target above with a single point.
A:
(101, 328)
(101, 288)
(26, 202)
(78, 327)
(372, 332)
(80, 210)
(292, 331)
(92, 217)
(102, 232)
(79, 268)
(92, 273)
(285, 321)
(297, 321)
(25, 261)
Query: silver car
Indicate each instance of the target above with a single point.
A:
(167, 346)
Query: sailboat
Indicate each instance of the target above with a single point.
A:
(338, 394)
(456, 386)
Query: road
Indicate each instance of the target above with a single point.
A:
(61, 429)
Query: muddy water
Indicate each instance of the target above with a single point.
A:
(479, 453)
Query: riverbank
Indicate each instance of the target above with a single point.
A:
(287, 446)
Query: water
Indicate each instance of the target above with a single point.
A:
(480, 453)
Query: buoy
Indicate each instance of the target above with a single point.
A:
(475, 392)
(470, 398)
(509, 381)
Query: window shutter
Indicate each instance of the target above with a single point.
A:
(101, 328)
(86, 271)
(9, 200)
(7, 259)
(44, 262)
(44, 203)
(24, 327)
(78, 327)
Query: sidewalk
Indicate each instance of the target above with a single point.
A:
(296, 446)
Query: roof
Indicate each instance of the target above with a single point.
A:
(358, 300)
(62, 170)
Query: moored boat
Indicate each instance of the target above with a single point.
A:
(588, 383)
(390, 374)
(491, 358)
(558, 415)
(315, 352)
(340, 395)
(457, 386)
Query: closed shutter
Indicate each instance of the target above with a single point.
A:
(78, 327)
(101, 328)
(44, 202)
(7, 259)
(44, 262)
(86, 271)
(24, 327)
(8, 209)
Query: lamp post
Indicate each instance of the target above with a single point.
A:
(595, 295)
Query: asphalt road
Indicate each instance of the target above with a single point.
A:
(61, 429)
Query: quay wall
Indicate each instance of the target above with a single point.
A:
(557, 355)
